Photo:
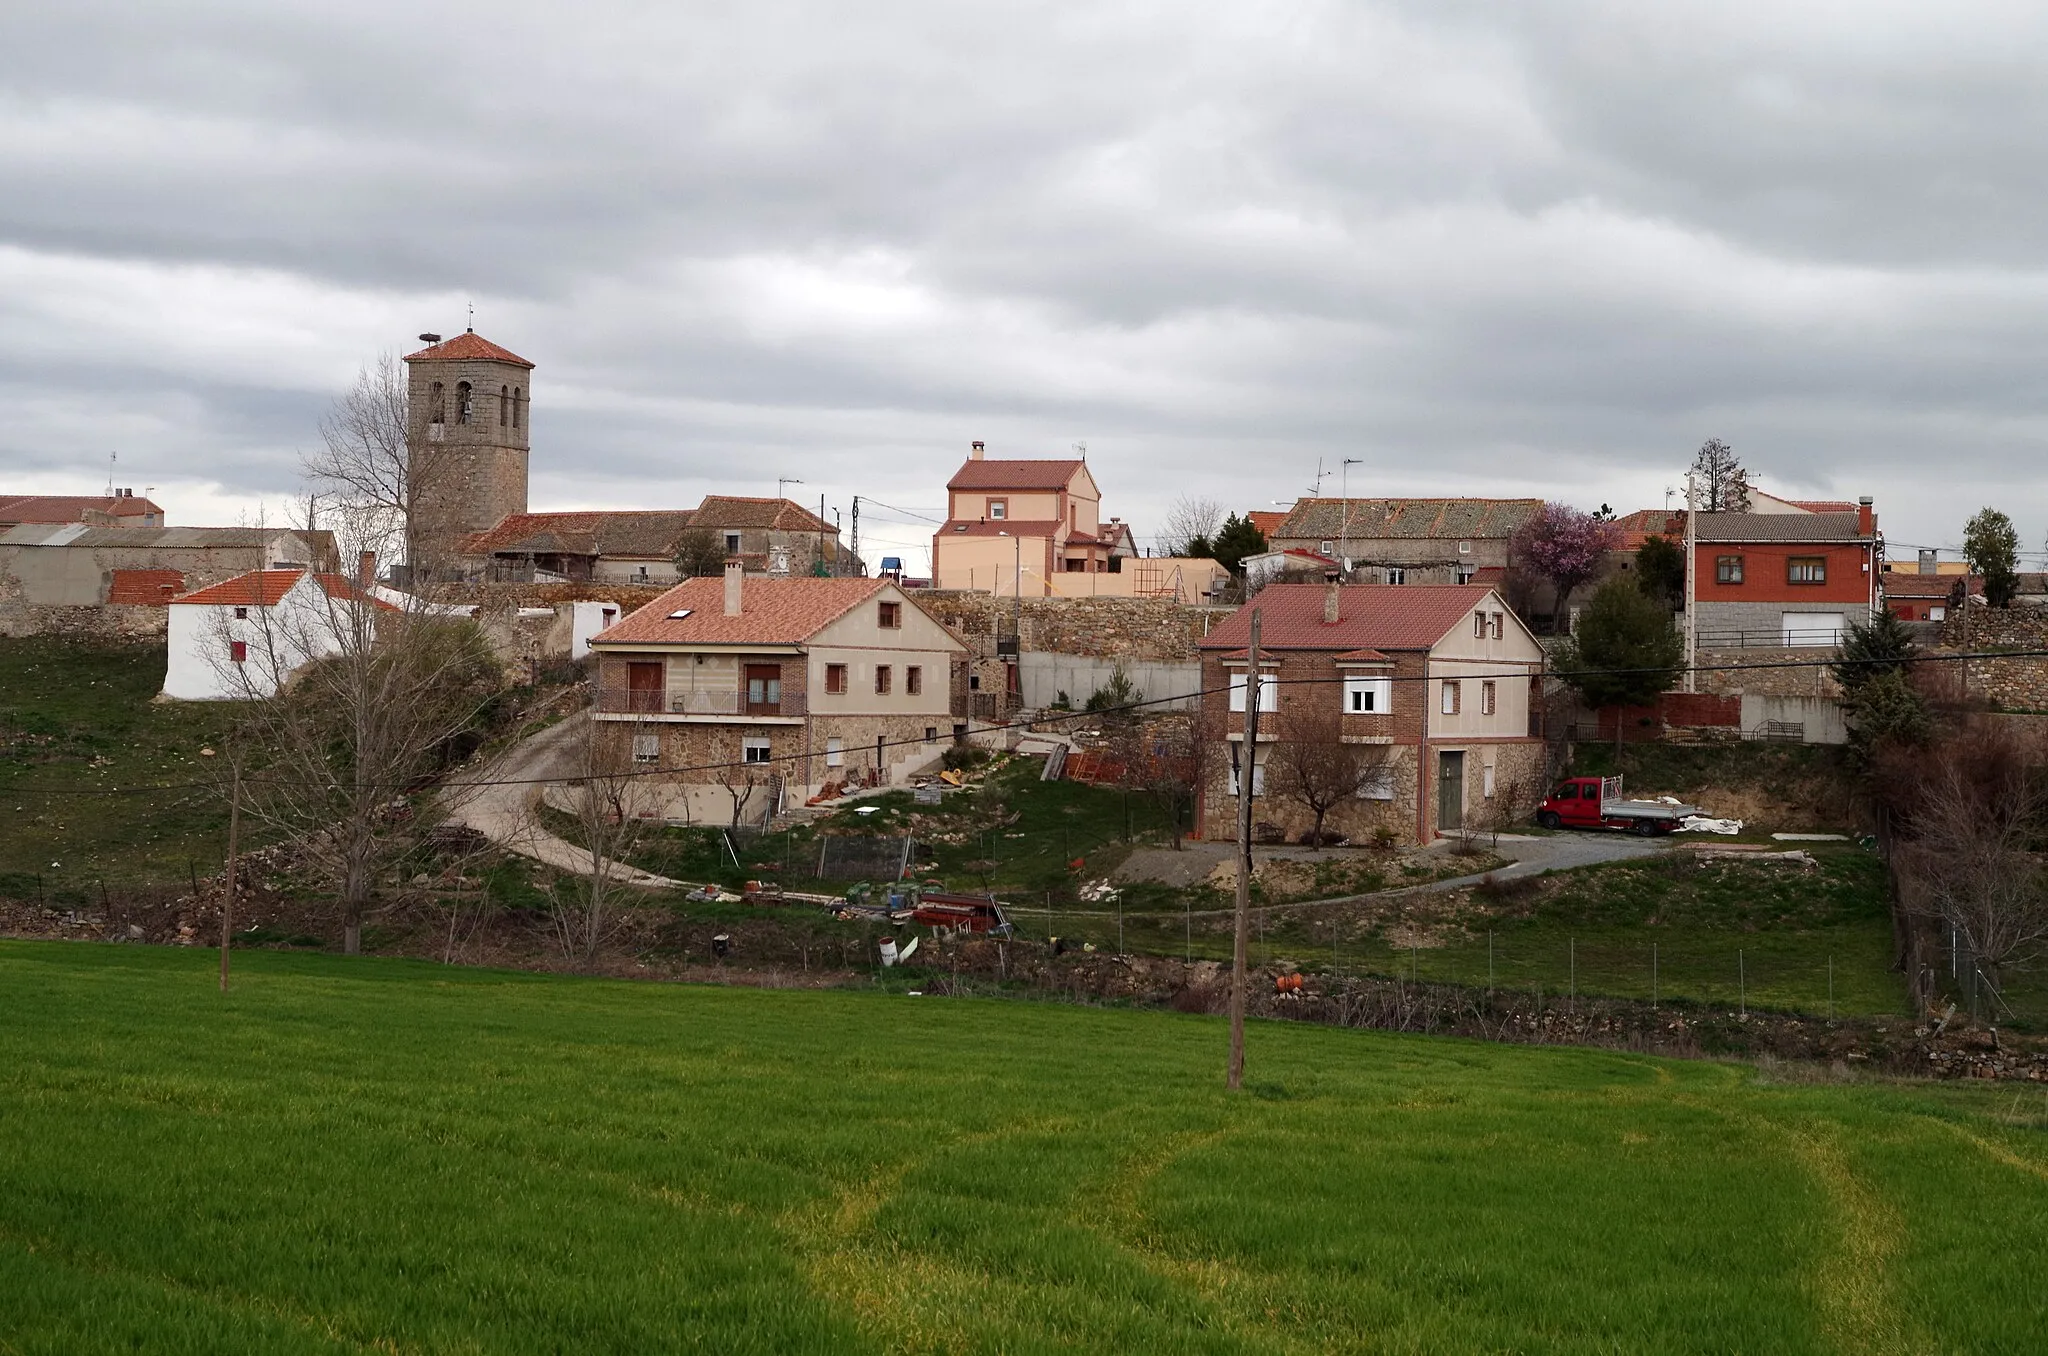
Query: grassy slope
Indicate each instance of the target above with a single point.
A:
(344, 1155)
(77, 717)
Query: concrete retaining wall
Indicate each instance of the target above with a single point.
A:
(1044, 675)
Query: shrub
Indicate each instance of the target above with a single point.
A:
(961, 757)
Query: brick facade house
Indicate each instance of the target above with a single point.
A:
(1784, 579)
(783, 683)
(1444, 679)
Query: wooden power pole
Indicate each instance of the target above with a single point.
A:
(1247, 773)
(227, 903)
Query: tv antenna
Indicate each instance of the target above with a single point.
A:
(112, 457)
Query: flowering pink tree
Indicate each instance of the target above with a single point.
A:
(1565, 546)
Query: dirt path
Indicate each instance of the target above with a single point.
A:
(509, 815)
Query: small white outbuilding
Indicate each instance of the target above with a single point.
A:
(245, 636)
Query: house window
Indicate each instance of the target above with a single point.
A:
(931, 733)
(504, 405)
(515, 407)
(835, 751)
(1269, 692)
(1806, 570)
(646, 748)
(754, 751)
(732, 543)
(884, 678)
(890, 616)
(1258, 770)
(1395, 574)
(1937, 614)
(835, 678)
(1464, 548)
(1486, 699)
(238, 651)
(1497, 622)
(998, 508)
(1368, 696)
(462, 402)
(241, 614)
(1452, 699)
(764, 688)
(913, 680)
(1466, 573)
(1727, 569)
(1377, 783)
(1329, 547)
(1479, 625)
(1486, 781)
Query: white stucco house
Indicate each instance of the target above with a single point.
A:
(244, 636)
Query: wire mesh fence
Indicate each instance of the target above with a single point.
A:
(863, 858)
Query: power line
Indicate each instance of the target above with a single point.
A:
(1505, 669)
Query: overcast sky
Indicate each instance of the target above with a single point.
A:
(1485, 249)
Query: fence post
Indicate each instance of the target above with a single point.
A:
(1489, 962)
(1572, 953)
(1741, 985)
(1653, 976)
(1831, 989)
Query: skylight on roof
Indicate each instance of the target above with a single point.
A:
(679, 614)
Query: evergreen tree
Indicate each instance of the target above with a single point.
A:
(1236, 539)
(1660, 567)
(1993, 549)
(1626, 650)
(1870, 651)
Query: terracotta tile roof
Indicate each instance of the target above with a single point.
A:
(1362, 657)
(265, 588)
(1778, 527)
(1372, 617)
(145, 588)
(1000, 527)
(727, 511)
(1823, 505)
(469, 346)
(72, 508)
(1406, 519)
(772, 612)
(1267, 521)
(1902, 584)
(993, 474)
(1643, 524)
(654, 533)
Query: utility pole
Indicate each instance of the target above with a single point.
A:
(1344, 523)
(1247, 773)
(821, 538)
(227, 903)
(1692, 626)
(856, 534)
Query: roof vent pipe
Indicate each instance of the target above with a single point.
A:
(735, 571)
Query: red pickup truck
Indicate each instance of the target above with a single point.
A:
(1596, 803)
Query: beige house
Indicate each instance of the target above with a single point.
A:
(1440, 682)
(1031, 521)
(780, 686)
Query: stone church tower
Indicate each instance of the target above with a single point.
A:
(468, 402)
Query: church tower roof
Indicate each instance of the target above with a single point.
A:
(467, 346)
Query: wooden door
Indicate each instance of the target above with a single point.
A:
(764, 689)
(1450, 791)
(643, 685)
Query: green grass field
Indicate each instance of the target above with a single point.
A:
(378, 1155)
(76, 721)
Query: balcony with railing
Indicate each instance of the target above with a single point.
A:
(715, 704)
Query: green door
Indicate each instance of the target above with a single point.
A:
(1450, 791)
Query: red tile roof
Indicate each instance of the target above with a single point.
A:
(776, 515)
(145, 588)
(1372, 617)
(1266, 520)
(1362, 520)
(72, 508)
(1823, 505)
(266, 588)
(988, 474)
(1643, 524)
(653, 533)
(469, 346)
(772, 612)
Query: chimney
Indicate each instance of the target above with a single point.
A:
(1928, 562)
(735, 571)
(366, 569)
(1866, 521)
(1333, 595)
(974, 454)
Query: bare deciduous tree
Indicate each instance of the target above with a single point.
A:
(348, 707)
(378, 473)
(739, 782)
(1191, 525)
(1311, 764)
(1971, 857)
(614, 801)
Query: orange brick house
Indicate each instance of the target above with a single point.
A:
(1794, 579)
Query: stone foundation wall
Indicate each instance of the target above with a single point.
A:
(1521, 776)
(1806, 674)
(2017, 682)
(107, 622)
(1139, 629)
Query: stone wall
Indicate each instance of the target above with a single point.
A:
(108, 622)
(1138, 629)
(1782, 671)
(2012, 682)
